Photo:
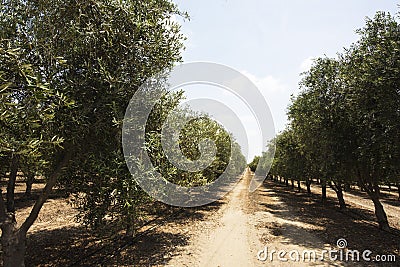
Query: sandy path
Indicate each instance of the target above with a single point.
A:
(280, 229)
(229, 245)
(243, 226)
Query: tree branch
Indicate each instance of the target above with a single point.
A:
(46, 192)
(11, 184)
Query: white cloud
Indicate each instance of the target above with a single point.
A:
(267, 84)
(277, 94)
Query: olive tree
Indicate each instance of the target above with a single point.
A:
(27, 109)
(348, 113)
(83, 60)
(371, 70)
(319, 117)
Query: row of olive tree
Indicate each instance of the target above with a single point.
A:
(345, 124)
(67, 72)
(109, 198)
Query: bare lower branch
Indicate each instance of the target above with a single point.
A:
(11, 184)
(46, 192)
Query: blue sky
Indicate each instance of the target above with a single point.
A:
(272, 42)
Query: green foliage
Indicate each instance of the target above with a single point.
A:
(253, 164)
(68, 71)
(290, 161)
(28, 107)
(113, 46)
(344, 125)
(347, 114)
(372, 70)
(98, 53)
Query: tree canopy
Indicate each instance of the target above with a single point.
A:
(344, 124)
(68, 71)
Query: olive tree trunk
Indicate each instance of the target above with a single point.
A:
(323, 189)
(372, 188)
(308, 185)
(13, 239)
(13, 243)
(338, 188)
(379, 211)
(30, 179)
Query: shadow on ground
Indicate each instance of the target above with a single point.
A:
(78, 246)
(357, 226)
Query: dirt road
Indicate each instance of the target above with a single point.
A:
(242, 229)
(227, 242)
(233, 231)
